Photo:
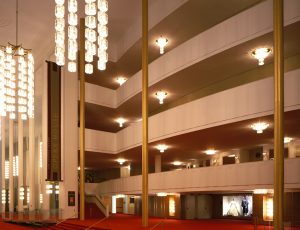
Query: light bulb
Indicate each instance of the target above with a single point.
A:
(102, 18)
(88, 68)
(59, 11)
(72, 66)
(72, 19)
(72, 6)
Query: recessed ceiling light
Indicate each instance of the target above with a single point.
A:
(121, 121)
(177, 163)
(121, 80)
(161, 95)
(121, 161)
(287, 140)
(260, 54)
(161, 194)
(162, 42)
(210, 151)
(162, 147)
(259, 127)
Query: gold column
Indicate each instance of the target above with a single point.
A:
(82, 119)
(278, 114)
(145, 113)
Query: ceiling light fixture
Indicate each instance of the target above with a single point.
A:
(161, 95)
(177, 163)
(162, 42)
(162, 147)
(121, 80)
(121, 161)
(210, 151)
(259, 127)
(121, 121)
(96, 20)
(287, 140)
(16, 79)
(161, 194)
(261, 54)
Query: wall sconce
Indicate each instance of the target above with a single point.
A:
(172, 207)
(41, 198)
(259, 127)
(261, 54)
(161, 95)
(121, 80)
(3, 196)
(210, 152)
(162, 42)
(6, 169)
(49, 189)
(22, 193)
(121, 161)
(121, 121)
(162, 148)
(41, 154)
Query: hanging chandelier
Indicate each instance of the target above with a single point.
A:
(96, 33)
(16, 79)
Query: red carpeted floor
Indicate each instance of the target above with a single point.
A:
(129, 222)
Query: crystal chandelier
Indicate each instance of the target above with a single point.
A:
(16, 79)
(96, 33)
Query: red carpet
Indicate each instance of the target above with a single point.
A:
(129, 222)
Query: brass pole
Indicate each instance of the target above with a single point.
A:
(82, 119)
(145, 113)
(278, 115)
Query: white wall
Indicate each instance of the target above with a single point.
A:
(246, 176)
(240, 103)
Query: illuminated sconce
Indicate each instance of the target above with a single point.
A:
(210, 152)
(287, 140)
(15, 166)
(172, 206)
(162, 148)
(3, 196)
(261, 54)
(41, 198)
(6, 169)
(268, 208)
(41, 154)
(161, 194)
(121, 80)
(161, 96)
(162, 42)
(177, 163)
(259, 127)
(49, 189)
(121, 121)
(22, 193)
(121, 161)
(56, 189)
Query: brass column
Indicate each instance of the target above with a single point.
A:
(82, 118)
(278, 114)
(145, 113)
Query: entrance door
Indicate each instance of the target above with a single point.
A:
(119, 205)
(190, 211)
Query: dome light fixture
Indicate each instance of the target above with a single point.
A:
(162, 42)
(121, 161)
(121, 121)
(261, 54)
(287, 140)
(259, 127)
(161, 95)
(162, 147)
(121, 80)
(210, 151)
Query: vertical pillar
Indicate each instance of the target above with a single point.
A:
(3, 158)
(145, 113)
(20, 156)
(278, 115)
(32, 165)
(82, 119)
(11, 155)
(157, 163)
